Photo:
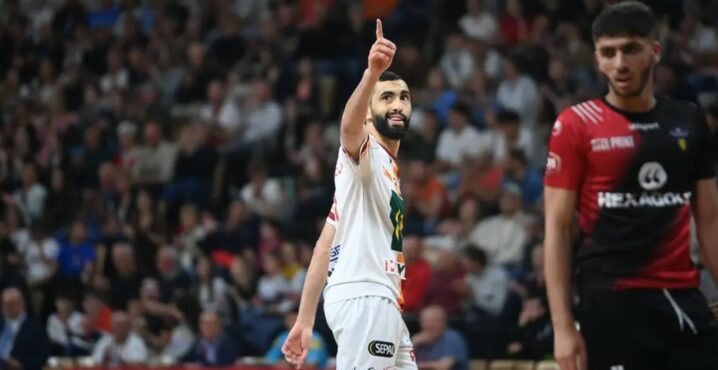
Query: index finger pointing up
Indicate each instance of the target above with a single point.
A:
(379, 30)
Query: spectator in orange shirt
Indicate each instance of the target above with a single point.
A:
(418, 272)
(428, 195)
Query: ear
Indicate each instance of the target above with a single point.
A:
(656, 48)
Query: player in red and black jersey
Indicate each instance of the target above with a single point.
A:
(636, 167)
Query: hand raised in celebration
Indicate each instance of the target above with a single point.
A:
(382, 52)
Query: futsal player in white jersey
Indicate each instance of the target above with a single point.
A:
(358, 254)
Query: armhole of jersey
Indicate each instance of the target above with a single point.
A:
(360, 167)
(333, 216)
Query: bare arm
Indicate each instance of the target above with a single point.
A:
(705, 212)
(353, 132)
(446, 363)
(299, 341)
(569, 348)
(560, 206)
(316, 276)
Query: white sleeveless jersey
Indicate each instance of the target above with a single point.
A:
(368, 214)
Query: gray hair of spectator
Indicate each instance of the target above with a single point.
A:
(630, 18)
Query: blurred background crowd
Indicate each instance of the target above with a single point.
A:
(165, 166)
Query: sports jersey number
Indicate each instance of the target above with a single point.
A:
(397, 220)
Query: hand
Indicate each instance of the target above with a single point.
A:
(381, 53)
(296, 346)
(714, 308)
(570, 349)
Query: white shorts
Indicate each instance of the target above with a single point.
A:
(370, 334)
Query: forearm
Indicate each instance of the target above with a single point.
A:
(708, 239)
(352, 123)
(313, 285)
(558, 274)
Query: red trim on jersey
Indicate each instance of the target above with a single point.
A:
(386, 149)
(673, 267)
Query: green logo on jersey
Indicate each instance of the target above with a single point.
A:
(397, 220)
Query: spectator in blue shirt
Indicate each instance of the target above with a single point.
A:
(77, 255)
(436, 346)
(317, 356)
(519, 172)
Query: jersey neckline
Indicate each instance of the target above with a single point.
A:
(629, 113)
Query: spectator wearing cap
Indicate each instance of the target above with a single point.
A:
(458, 140)
(503, 236)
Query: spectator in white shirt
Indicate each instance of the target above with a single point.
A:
(503, 236)
(122, 347)
(457, 63)
(512, 136)
(261, 194)
(221, 111)
(486, 286)
(155, 158)
(263, 115)
(458, 140)
(30, 197)
(478, 23)
(518, 92)
(63, 324)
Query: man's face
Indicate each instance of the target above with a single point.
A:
(12, 304)
(390, 108)
(210, 326)
(627, 63)
(433, 322)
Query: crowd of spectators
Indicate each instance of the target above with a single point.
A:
(166, 165)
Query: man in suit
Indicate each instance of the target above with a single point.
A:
(23, 342)
(215, 347)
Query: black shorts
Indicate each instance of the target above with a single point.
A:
(650, 329)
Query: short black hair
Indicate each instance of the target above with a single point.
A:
(508, 116)
(389, 76)
(519, 155)
(462, 109)
(475, 254)
(629, 18)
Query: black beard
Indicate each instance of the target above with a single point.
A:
(645, 75)
(381, 123)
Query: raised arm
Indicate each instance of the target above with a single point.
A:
(569, 348)
(353, 131)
